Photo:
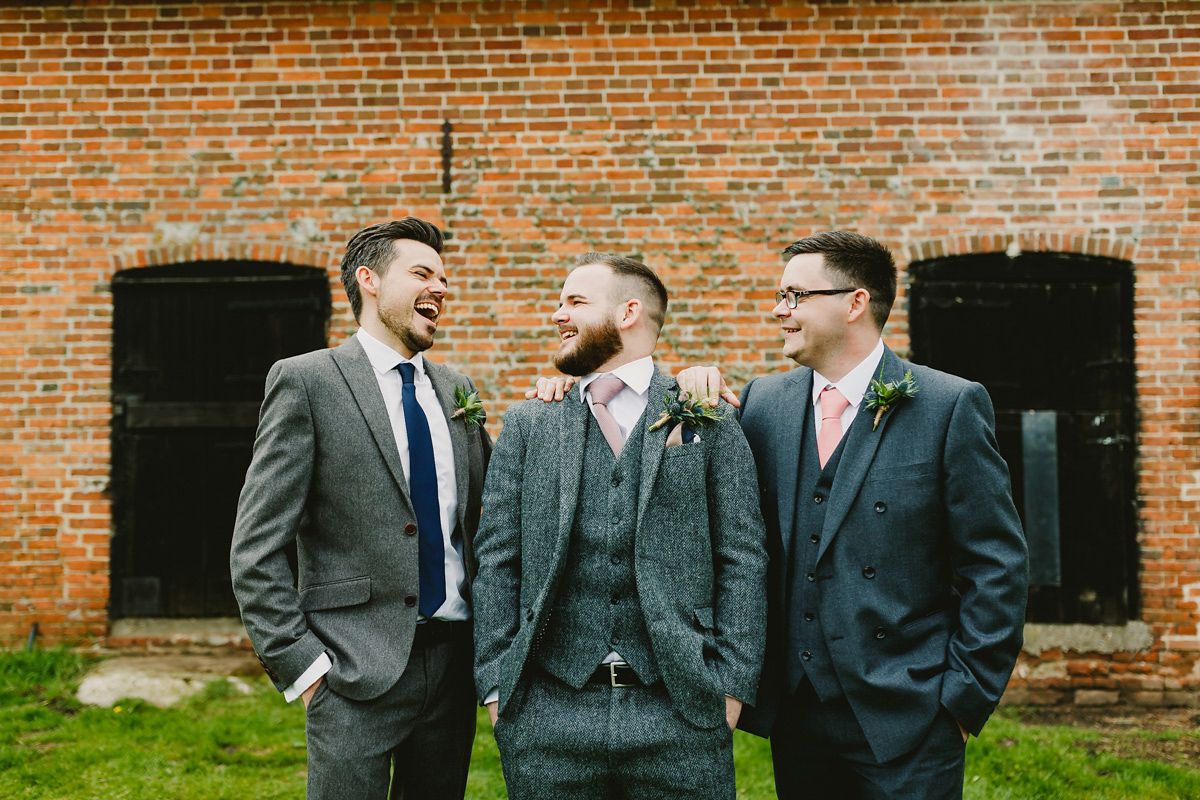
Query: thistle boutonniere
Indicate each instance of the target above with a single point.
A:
(470, 407)
(883, 396)
(685, 411)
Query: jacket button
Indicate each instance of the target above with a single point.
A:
(880, 507)
(818, 499)
(529, 615)
(410, 600)
(811, 577)
(814, 538)
(879, 633)
(868, 572)
(616, 481)
(615, 600)
(809, 616)
(410, 529)
(807, 656)
(615, 559)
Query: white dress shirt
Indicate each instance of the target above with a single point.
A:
(628, 404)
(853, 387)
(384, 361)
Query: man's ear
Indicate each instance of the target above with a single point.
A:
(368, 281)
(630, 312)
(860, 303)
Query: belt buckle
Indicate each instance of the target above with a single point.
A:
(612, 674)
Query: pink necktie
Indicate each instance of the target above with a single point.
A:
(602, 390)
(832, 406)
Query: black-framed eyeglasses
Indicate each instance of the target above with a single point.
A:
(793, 297)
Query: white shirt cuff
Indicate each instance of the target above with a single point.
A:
(308, 678)
(493, 697)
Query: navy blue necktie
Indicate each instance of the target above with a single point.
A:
(422, 486)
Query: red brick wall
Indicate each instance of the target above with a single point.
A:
(701, 135)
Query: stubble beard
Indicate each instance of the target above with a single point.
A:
(593, 348)
(405, 332)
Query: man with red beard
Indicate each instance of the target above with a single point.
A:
(620, 606)
(366, 465)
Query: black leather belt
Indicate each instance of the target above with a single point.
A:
(438, 631)
(617, 674)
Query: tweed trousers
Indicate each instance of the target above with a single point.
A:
(604, 743)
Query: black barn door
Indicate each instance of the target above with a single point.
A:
(192, 344)
(1051, 337)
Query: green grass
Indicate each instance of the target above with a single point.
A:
(223, 744)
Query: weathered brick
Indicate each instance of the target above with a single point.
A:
(700, 137)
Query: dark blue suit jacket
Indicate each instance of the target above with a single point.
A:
(922, 565)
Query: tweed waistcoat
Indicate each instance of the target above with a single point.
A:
(808, 653)
(596, 610)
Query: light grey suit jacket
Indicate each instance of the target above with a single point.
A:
(922, 569)
(699, 557)
(326, 475)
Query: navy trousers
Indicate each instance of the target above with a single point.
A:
(820, 753)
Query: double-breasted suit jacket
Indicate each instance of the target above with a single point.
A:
(921, 566)
(326, 474)
(699, 556)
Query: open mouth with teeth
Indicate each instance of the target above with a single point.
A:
(428, 310)
(564, 335)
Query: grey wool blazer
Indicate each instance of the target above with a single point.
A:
(921, 569)
(326, 475)
(699, 555)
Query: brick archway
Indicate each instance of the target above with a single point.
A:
(1083, 244)
(222, 250)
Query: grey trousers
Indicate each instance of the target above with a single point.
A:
(599, 742)
(415, 738)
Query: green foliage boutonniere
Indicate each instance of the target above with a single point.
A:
(470, 407)
(883, 396)
(684, 410)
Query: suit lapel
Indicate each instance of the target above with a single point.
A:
(443, 386)
(356, 368)
(791, 423)
(572, 416)
(654, 443)
(861, 444)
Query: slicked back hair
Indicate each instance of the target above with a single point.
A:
(860, 261)
(372, 247)
(634, 279)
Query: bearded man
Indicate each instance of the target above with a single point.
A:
(365, 465)
(620, 605)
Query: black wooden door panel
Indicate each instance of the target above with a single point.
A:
(192, 346)
(1050, 333)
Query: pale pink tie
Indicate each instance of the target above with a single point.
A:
(832, 406)
(602, 390)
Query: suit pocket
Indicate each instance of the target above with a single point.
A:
(685, 450)
(899, 473)
(335, 594)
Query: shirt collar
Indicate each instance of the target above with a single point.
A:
(854, 385)
(636, 375)
(383, 358)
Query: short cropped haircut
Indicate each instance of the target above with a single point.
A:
(859, 260)
(634, 279)
(372, 247)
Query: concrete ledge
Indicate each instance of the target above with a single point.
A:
(1108, 639)
(177, 635)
